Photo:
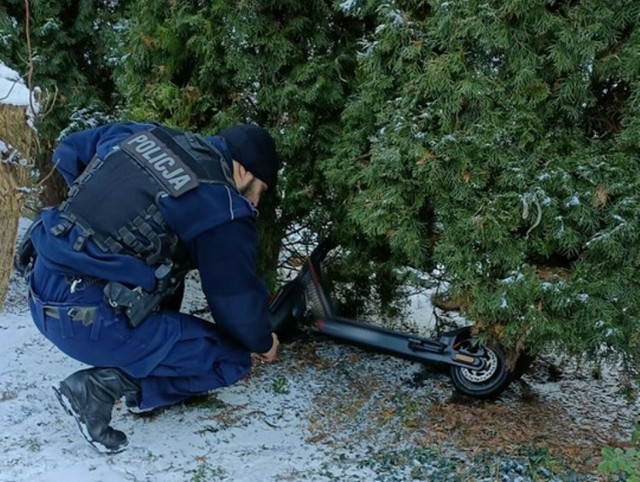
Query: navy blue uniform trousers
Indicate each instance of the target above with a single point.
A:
(173, 355)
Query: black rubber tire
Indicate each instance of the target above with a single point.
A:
(483, 384)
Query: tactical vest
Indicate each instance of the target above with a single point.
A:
(115, 201)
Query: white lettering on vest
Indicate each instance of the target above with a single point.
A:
(166, 160)
(147, 147)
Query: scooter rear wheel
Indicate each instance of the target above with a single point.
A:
(488, 382)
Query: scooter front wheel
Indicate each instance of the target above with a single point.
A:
(487, 382)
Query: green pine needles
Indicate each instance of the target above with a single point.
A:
(513, 122)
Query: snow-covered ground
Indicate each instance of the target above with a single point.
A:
(268, 427)
(323, 412)
(245, 433)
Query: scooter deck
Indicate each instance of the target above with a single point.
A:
(399, 344)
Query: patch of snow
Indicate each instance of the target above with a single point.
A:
(13, 91)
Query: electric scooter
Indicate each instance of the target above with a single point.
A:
(475, 370)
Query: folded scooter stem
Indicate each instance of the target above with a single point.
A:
(378, 338)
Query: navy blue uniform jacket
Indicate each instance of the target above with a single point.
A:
(215, 223)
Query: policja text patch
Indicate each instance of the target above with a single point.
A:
(161, 162)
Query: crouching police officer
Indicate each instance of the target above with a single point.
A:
(146, 205)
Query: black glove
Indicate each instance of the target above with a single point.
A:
(25, 256)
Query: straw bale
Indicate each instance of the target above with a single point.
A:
(18, 137)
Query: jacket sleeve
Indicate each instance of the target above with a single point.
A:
(226, 259)
(75, 151)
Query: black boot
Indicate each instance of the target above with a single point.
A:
(89, 396)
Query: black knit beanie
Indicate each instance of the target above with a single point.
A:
(255, 149)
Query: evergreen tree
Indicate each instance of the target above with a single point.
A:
(74, 47)
(496, 140)
(516, 123)
(286, 65)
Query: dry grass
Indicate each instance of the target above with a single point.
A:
(15, 133)
(14, 129)
(352, 401)
(512, 428)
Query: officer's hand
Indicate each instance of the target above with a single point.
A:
(270, 356)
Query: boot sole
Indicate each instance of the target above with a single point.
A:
(69, 406)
